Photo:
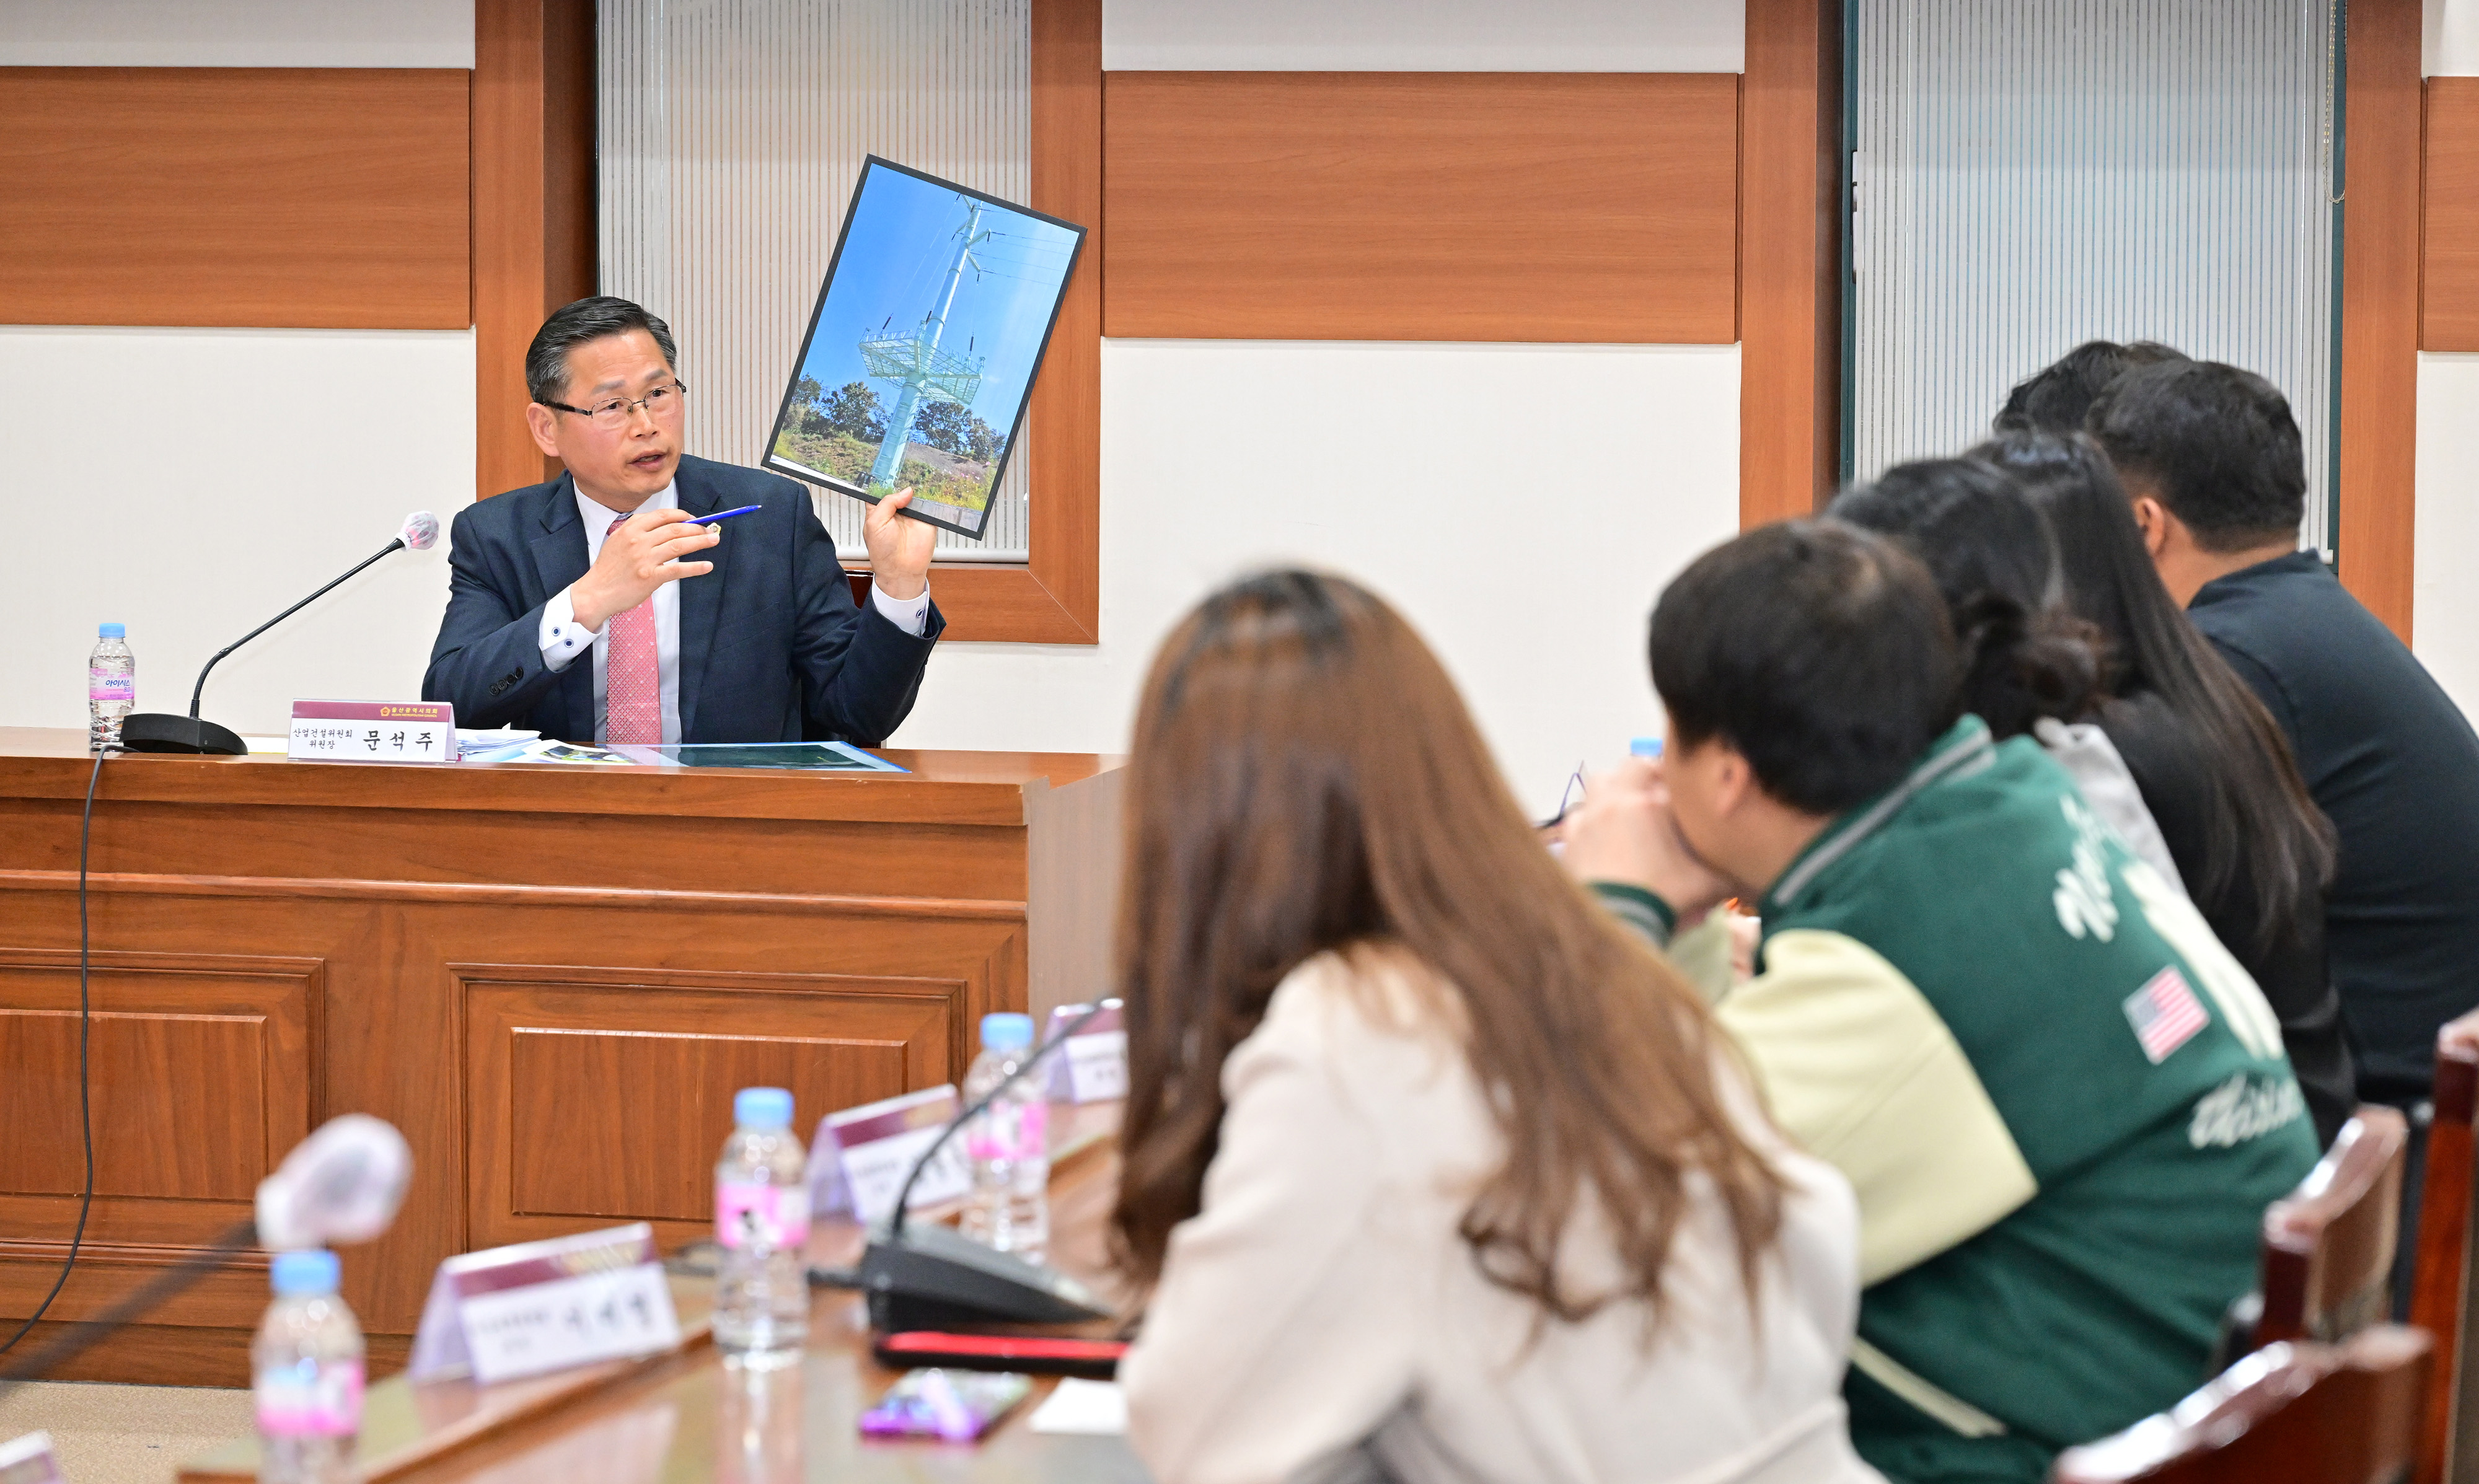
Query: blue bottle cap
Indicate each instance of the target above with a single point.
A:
(1006, 1031)
(762, 1108)
(112, 631)
(305, 1274)
(1643, 747)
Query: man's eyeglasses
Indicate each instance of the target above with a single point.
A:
(611, 414)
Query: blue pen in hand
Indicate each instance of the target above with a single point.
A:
(720, 515)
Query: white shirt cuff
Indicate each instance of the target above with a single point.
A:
(910, 614)
(561, 636)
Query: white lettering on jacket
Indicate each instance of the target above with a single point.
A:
(2242, 1109)
(2084, 901)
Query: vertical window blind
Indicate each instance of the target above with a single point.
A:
(731, 135)
(2031, 174)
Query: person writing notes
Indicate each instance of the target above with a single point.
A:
(1436, 1172)
(598, 607)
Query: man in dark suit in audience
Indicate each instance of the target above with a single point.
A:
(599, 608)
(2211, 458)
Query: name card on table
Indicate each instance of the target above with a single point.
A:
(859, 1160)
(373, 731)
(29, 1460)
(543, 1306)
(1091, 1066)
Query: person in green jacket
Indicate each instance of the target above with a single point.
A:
(2062, 1103)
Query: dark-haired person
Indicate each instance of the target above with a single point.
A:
(1431, 1166)
(2063, 1105)
(2055, 399)
(595, 607)
(2028, 664)
(2210, 456)
(2254, 851)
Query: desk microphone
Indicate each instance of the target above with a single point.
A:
(156, 731)
(343, 1184)
(929, 1277)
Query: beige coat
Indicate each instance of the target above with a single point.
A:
(1322, 1295)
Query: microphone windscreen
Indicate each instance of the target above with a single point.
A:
(420, 531)
(341, 1184)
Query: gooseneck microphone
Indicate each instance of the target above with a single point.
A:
(157, 731)
(343, 1184)
(930, 1277)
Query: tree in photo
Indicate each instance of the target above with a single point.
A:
(951, 428)
(853, 410)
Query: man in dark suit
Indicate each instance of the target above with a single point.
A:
(758, 640)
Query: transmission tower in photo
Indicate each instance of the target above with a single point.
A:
(915, 363)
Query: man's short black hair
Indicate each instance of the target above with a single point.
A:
(2055, 399)
(572, 325)
(1819, 651)
(2215, 443)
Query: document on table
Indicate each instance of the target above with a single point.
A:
(1095, 1408)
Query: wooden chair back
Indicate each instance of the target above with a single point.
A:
(2440, 1291)
(2287, 1413)
(2328, 1245)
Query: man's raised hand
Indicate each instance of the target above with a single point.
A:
(643, 555)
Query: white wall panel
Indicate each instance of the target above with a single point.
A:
(1424, 36)
(193, 483)
(1221, 457)
(2030, 176)
(732, 133)
(2444, 602)
(237, 33)
(2452, 39)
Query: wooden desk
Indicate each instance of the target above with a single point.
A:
(687, 1418)
(551, 979)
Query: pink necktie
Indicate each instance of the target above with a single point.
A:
(633, 680)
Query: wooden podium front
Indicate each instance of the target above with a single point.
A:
(551, 979)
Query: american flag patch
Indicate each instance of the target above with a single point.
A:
(2165, 1014)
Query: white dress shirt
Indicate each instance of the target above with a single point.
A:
(562, 638)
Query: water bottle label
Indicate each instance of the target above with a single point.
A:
(1010, 1131)
(308, 1399)
(775, 1216)
(110, 685)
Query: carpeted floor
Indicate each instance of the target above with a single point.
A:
(125, 1434)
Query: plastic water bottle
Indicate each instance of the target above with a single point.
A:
(761, 1218)
(1008, 1143)
(111, 687)
(306, 1367)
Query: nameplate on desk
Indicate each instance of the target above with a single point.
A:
(29, 1460)
(860, 1155)
(1091, 1066)
(373, 731)
(543, 1306)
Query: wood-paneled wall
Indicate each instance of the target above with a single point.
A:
(327, 198)
(1790, 260)
(1540, 205)
(2377, 498)
(2449, 234)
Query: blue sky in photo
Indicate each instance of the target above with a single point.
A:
(894, 266)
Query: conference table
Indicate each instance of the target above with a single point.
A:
(687, 1417)
(550, 978)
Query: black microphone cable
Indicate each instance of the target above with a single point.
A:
(86, 1084)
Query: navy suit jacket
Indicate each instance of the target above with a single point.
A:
(773, 647)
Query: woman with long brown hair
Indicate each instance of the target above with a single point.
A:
(1433, 1170)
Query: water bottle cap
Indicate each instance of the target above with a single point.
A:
(762, 1108)
(305, 1274)
(1006, 1031)
(1644, 747)
(112, 631)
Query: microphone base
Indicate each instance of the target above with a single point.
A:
(934, 1276)
(154, 732)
